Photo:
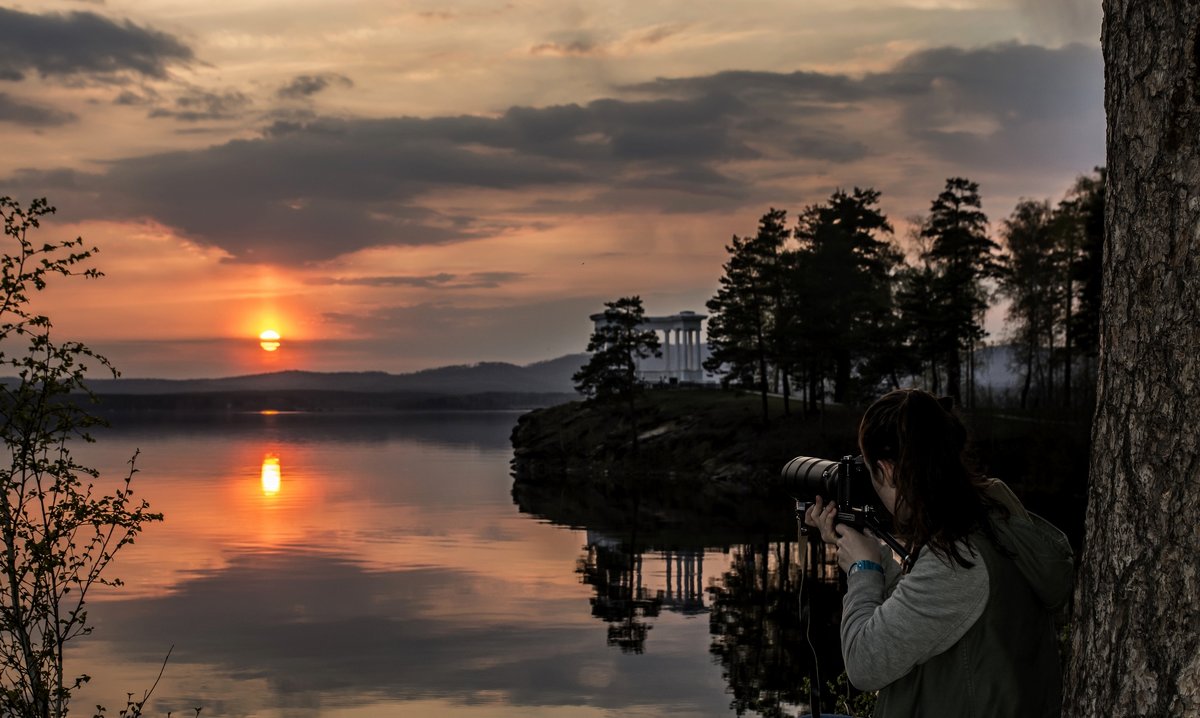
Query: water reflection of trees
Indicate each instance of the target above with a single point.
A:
(757, 632)
(614, 570)
(754, 606)
(623, 598)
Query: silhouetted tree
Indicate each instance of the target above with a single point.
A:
(1083, 208)
(1051, 273)
(844, 274)
(58, 532)
(617, 344)
(743, 314)
(1031, 279)
(917, 349)
(961, 253)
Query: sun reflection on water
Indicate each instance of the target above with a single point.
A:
(272, 476)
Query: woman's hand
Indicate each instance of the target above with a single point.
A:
(855, 546)
(821, 516)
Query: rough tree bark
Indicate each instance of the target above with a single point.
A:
(1135, 639)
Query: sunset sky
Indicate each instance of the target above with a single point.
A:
(394, 185)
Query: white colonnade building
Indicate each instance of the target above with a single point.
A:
(682, 348)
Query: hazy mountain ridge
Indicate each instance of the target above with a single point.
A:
(549, 377)
(553, 376)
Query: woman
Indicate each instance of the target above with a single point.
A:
(966, 627)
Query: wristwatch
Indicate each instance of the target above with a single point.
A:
(863, 565)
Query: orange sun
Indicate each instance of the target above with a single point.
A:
(269, 340)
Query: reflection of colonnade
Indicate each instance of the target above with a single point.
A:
(624, 600)
(685, 594)
(682, 347)
(621, 600)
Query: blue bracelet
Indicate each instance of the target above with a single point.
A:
(864, 566)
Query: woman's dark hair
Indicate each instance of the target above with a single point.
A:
(941, 496)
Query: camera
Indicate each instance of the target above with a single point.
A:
(848, 482)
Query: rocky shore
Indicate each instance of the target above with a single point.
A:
(701, 456)
(706, 455)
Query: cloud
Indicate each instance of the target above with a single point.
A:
(1002, 105)
(1007, 105)
(655, 35)
(1063, 20)
(579, 43)
(305, 192)
(83, 43)
(303, 86)
(312, 189)
(746, 85)
(197, 105)
(437, 330)
(131, 98)
(18, 112)
(443, 280)
(581, 47)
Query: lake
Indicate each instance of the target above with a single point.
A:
(340, 565)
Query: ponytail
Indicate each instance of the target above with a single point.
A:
(939, 499)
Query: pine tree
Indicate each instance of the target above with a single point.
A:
(617, 345)
(962, 254)
(1084, 206)
(845, 268)
(744, 313)
(1031, 278)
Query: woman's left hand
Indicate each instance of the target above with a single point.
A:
(853, 545)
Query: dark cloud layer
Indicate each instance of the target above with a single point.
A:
(18, 112)
(814, 86)
(1039, 103)
(443, 280)
(435, 331)
(303, 86)
(310, 190)
(83, 43)
(199, 105)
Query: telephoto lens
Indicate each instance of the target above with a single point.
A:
(846, 481)
(806, 477)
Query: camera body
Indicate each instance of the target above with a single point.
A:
(848, 482)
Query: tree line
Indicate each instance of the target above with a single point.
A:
(833, 305)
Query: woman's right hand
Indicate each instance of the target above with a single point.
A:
(822, 516)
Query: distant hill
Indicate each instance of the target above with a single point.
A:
(545, 377)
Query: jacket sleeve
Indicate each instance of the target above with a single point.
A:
(928, 612)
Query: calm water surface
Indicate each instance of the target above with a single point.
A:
(367, 566)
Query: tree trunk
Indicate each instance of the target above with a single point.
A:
(1028, 373)
(971, 376)
(954, 375)
(1067, 327)
(1135, 644)
(787, 392)
(1049, 391)
(841, 376)
(762, 374)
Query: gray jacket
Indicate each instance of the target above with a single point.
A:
(951, 641)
